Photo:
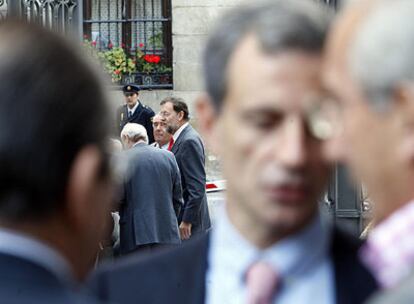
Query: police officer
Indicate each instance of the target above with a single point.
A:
(134, 111)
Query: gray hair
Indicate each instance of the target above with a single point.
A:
(135, 132)
(280, 25)
(382, 54)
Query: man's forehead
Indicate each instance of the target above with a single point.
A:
(342, 35)
(272, 78)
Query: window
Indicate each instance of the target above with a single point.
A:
(142, 28)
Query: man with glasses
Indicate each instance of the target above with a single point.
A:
(369, 74)
(269, 243)
(134, 111)
(57, 186)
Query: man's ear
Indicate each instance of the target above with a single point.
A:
(81, 186)
(180, 115)
(208, 121)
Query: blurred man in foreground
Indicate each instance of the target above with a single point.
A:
(269, 244)
(369, 74)
(55, 178)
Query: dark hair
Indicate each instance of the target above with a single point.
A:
(178, 105)
(51, 106)
(280, 25)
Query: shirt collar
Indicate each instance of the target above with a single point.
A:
(389, 250)
(26, 247)
(290, 257)
(179, 131)
(165, 147)
(134, 108)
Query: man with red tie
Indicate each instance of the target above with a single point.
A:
(188, 149)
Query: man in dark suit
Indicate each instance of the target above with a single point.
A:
(188, 149)
(269, 243)
(152, 195)
(56, 188)
(134, 111)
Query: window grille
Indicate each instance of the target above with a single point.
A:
(142, 28)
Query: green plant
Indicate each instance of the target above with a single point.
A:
(117, 63)
(114, 60)
(149, 63)
(156, 40)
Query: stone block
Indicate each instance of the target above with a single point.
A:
(193, 20)
(188, 49)
(187, 77)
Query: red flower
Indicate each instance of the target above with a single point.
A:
(156, 59)
(93, 43)
(110, 45)
(147, 58)
(141, 45)
(117, 72)
(152, 58)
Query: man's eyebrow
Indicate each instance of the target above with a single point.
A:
(263, 111)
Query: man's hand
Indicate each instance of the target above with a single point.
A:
(185, 230)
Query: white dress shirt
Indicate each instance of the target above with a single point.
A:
(179, 131)
(156, 145)
(302, 261)
(28, 248)
(132, 111)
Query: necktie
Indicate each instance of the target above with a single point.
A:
(129, 114)
(170, 144)
(261, 283)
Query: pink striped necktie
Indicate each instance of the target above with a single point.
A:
(261, 283)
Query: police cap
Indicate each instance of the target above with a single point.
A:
(130, 88)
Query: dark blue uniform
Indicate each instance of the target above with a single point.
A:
(142, 115)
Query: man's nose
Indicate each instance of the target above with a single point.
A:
(293, 149)
(334, 149)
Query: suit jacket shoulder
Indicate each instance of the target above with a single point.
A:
(24, 282)
(353, 282)
(180, 272)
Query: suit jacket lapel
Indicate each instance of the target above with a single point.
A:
(180, 139)
(353, 282)
(198, 294)
(137, 113)
(192, 275)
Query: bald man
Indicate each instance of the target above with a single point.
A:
(161, 136)
(369, 66)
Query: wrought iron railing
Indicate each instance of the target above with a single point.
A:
(142, 28)
(58, 15)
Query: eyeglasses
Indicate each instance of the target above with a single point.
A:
(325, 119)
